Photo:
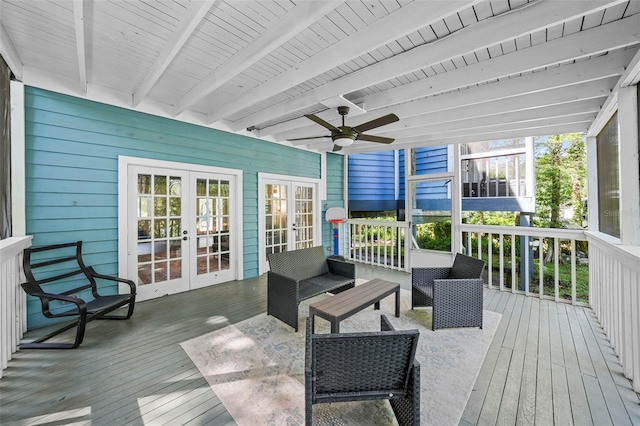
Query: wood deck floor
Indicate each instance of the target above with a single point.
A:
(549, 363)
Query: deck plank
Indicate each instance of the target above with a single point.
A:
(527, 396)
(511, 394)
(579, 405)
(544, 386)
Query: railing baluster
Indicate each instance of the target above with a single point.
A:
(556, 249)
(526, 264)
(573, 272)
(501, 262)
(513, 263)
(490, 261)
(541, 268)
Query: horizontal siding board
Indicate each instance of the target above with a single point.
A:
(77, 212)
(72, 149)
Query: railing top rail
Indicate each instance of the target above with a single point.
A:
(629, 255)
(568, 234)
(394, 223)
(11, 246)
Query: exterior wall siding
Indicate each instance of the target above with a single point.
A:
(372, 181)
(72, 149)
(335, 195)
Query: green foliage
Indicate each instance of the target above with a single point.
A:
(560, 177)
(434, 235)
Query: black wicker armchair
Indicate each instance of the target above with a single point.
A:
(364, 366)
(298, 275)
(455, 293)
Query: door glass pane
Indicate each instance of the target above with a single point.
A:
(304, 216)
(159, 238)
(213, 227)
(275, 218)
(431, 214)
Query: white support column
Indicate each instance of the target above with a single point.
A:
(629, 173)
(592, 184)
(530, 170)
(18, 186)
(456, 200)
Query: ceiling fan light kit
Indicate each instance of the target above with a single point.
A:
(343, 141)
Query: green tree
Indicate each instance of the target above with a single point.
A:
(560, 179)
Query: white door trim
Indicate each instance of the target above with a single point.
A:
(123, 164)
(317, 213)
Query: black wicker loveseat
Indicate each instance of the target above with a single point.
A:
(298, 275)
(363, 366)
(456, 292)
(67, 288)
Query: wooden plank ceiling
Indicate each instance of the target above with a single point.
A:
(452, 71)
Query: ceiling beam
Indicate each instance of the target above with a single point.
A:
(598, 40)
(405, 20)
(596, 68)
(78, 19)
(523, 126)
(580, 99)
(495, 102)
(189, 22)
(534, 105)
(10, 54)
(565, 99)
(289, 25)
(589, 108)
(518, 22)
(359, 147)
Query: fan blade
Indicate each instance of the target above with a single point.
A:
(373, 138)
(309, 137)
(337, 148)
(321, 122)
(380, 121)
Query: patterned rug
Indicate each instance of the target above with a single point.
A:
(256, 367)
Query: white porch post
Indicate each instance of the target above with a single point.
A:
(629, 173)
(592, 184)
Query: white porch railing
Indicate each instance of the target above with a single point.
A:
(13, 301)
(506, 250)
(614, 296)
(376, 242)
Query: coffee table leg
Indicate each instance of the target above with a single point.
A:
(335, 326)
(398, 303)
(376, 305)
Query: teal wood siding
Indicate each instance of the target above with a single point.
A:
(72, 149)
(335, 195)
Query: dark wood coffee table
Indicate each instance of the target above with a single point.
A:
(342, 305)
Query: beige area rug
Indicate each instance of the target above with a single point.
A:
(256, 367)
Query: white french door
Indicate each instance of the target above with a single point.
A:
(184, 231)
(289, 216)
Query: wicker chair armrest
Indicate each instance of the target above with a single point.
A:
(427, 275)
(454, 281)
(385, 325)
(276, 281)
(341, 267)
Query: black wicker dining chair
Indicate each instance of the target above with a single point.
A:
(455, 293)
